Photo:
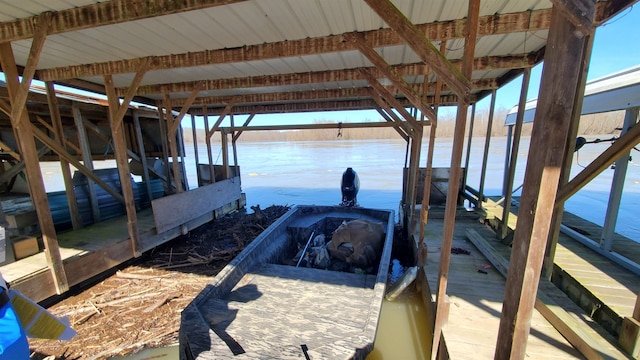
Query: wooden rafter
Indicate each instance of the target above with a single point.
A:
(118, 115)
(423, 47)
(37, 44)
(353, 93)
(578, 14)
(185, 107)
(387, 113)
(517, 61)
(390, 99)
(103, 13)
(444, 30)
(327, 105)
(393, 76)
(226, 111)
(451, 205)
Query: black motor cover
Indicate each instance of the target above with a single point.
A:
(349, 187)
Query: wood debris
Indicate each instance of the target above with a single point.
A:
(139, 306)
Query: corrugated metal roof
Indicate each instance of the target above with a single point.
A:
(260, 23)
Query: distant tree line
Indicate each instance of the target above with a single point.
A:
(605, 123)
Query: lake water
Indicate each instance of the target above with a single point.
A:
(309, 172)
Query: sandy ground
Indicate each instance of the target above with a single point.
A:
(139, 305)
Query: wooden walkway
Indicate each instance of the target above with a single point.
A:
(604, 288)
(91, 250)
(476, 291)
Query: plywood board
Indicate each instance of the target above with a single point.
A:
(175, 210)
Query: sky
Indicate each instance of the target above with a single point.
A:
(614, 49)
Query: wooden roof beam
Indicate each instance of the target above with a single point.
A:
(422, 46)
(327, 105)
(392, 75)
(444, 30)
(385, 111)
(578, 14)
(391, 100)
(484, 63)
(103, 13)
(353, 93)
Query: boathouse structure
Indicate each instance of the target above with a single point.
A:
(150, 63)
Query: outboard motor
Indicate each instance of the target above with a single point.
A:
(349, 187)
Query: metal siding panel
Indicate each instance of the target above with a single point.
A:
(284, 20)
(339, 16)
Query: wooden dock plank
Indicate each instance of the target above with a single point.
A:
(476, 302)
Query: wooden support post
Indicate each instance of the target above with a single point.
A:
(8, 149)
(182, 158)
(569, 150)
(561, 77)
(226, 111)
(233, 145)
(212, 176)
(143, 155)
(629, 338)
(454, 177)
(194, 134)
(117, 112)
(171, 137)
(76, 220)
(485, 154)
(87, 160)
(162, 125)
(22, 126)
(224, 137)
(513, 160)
(53, 131)
(469, 140)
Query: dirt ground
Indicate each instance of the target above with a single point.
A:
(139, 305)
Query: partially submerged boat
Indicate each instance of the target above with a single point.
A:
(268, 304)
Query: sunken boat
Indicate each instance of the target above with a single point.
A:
(282, 296)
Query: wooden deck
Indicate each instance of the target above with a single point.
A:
(89, 251)
(475, 299)
(596, 283)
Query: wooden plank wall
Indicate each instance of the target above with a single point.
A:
(175, 210)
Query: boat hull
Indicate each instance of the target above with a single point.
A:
(257, 307)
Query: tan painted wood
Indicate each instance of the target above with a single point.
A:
(515, 148)
(391, 100)
(23, 129)
(173, 210)
(550, 129)
(236, 136)
(579, 15)
(444, 30)
(423, 46)
(391, 74)
(103, 13)
(171, 138)
(117, 130)
(76, 219)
